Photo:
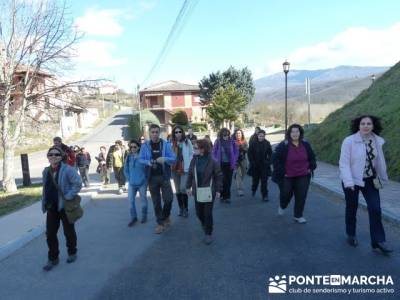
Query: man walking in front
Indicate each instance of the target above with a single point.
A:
(157, 154)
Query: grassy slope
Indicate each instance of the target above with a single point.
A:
(381, 99)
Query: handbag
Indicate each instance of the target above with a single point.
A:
(376, 180)
(203, 194)
(73, 208)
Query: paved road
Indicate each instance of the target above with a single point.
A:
(251, 244)
(114, 128)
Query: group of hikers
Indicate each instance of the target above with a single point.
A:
(205, 170)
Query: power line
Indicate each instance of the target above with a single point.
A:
(180, 21)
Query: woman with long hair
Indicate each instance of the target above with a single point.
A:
(363, 168)
(183, 149)
(226, 152)
(241, 165)
(294, 163)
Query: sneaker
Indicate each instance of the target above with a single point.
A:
(50, 264)
(300, 220)
(71, 258)
(120, 191)
(131, 223)
(281, 211)
(240, 193)
(180, 212)
(265, 199)
(208, 239)
(144, 220)
(185, 213)
(159, 229)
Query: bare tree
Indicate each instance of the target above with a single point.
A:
(37, 40)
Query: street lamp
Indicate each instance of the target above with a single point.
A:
(286, 66)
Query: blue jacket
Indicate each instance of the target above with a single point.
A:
(135, 171)
(69, 183)
(167, 153)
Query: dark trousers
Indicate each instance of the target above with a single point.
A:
(84, 172)
(260, 175)
(297, 186)
(204, 213)
(371, 195)
(52, 225)
(158, 185)
(227, 174)
(119, 176)
(182, 200)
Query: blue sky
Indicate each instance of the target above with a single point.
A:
(123, 38)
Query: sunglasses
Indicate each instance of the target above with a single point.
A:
(53, 154)
(178, 131)
(134, 147)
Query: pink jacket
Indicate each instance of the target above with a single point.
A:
(353, 157)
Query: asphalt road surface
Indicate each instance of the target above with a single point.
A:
(251, 245)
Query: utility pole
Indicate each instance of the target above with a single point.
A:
(308, 93)
(140, 110)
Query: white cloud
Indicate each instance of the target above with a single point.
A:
(104, 22)
(98, 54)
(148, 4)
(357, 46)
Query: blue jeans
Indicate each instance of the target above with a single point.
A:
(132, 191)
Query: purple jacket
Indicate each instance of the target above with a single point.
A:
(234, 152)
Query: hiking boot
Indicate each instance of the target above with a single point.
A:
(131, 223)
(208, 239)
(300, 220)
(159, 229)
(71, 258)
(50, 264)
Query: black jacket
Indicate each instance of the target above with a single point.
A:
(279, 159)
(83, 159)
(260, 155)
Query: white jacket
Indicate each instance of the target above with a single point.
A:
(353, 158)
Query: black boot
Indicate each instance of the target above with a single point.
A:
(180, 203)
(382, 247)
(185, 205)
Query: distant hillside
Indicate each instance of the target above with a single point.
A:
(338, 91)
(381, 99)
(297, 77)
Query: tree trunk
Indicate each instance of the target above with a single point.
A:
(8, 168)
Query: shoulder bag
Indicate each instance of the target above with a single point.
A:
(203, 194)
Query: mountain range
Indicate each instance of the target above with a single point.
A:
(339, 84)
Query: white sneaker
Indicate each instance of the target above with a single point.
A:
(120, 191)
(301, 220)
(281, 211)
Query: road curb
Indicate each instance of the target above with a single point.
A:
(386, 215)
(12, 246)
